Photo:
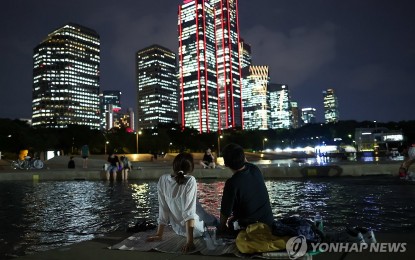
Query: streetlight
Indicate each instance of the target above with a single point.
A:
(263, 143)
(136, 141)
(105, 146)
(219, 137)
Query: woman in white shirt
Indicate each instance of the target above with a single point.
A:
(177, 196)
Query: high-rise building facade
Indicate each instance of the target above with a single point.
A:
(110, 102)
(280, 106)
(296, 115)
(308, 115)
(228, 63)
(255, 99)
(157, 97)
(246, 58)
(197, 66)
(66, 78)
(209, 65)
(331, 106)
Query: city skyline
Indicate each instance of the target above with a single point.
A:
(361, 49)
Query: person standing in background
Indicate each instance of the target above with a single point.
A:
(85, 155)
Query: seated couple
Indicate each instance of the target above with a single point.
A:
(245, 198)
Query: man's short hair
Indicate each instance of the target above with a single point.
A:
(233, 156)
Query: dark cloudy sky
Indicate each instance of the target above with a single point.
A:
(364, 49)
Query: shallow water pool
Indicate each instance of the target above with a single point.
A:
(37, 216)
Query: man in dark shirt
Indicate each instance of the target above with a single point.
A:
(245, 195)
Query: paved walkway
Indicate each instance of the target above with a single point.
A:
(56, 169)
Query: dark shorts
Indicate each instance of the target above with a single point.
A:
(85, 156)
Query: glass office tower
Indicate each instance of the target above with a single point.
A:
(197, 66)
(157, 99)
(280, 106)
(255, 99)
(110, 101)
(331, 106)
(66, 78)
(228, 63)
(308, 115)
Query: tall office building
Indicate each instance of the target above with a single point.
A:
(197, 66)
(296, 115)
(157, 99)
(308, 115)
(66, 78)
(280, 106)
(246, 58)
(209, 65)
(331, 106)
(228, 63)
(255, 99)
(110, 102)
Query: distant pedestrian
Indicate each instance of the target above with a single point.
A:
(113, 167)
(85, 155)
(71, 163)
(403, 170)
(208, 160)
(125, 167)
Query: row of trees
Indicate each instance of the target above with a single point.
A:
(16, 135)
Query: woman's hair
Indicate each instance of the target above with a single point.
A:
(182, 165)
(233, 156)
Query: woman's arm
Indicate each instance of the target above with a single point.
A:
(158, 236)
(190, 224)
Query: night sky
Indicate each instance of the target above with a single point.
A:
(363, 49)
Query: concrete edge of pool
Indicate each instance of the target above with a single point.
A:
(98, 249)
(153, 170)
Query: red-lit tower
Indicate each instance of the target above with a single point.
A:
(197, 66)
(209, 65)
(228, 63)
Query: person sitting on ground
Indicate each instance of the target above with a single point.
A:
(403, 169)
(71, 163)
(208, 160)
(125, 167)
(113, 167)
(178, 206)
(245, 196)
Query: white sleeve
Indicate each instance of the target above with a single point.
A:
(189, 200)
(163, 207)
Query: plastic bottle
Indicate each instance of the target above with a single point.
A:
(318, 221)
(210, 243)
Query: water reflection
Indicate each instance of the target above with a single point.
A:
(45, 215)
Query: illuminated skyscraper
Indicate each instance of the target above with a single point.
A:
(228, 63)
(246, 58)
(296, 115)
(110, 101)
(156, 87)
(66, 78)
(331, 106)
(197, 66)
(308, 115)
(209, 65)
(255, 99)
(280, 106)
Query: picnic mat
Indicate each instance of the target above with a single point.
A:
(172, 243)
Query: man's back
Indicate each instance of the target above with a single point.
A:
(246, 196)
